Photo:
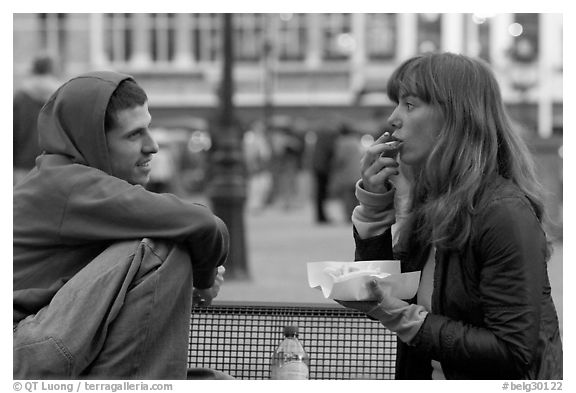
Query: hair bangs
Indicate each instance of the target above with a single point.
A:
(408, 80)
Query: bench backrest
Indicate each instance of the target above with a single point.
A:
(239, 339)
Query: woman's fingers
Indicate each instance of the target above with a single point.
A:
(378, 181)
(379, 149)
(385, 137)
(377, 292)
(380, 164)
(384, 297)
(375, 176)
(376, 148)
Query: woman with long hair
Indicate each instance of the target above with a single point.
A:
(472, 226)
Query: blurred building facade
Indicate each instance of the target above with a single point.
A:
(300, 63)
(307, 65)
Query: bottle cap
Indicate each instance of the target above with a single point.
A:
(290, 330)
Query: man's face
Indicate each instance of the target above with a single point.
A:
(130, 145)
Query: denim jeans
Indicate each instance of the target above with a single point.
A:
(126, 315)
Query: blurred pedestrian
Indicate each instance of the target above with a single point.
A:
(346, 169)
(322, 157)
(257, 154)
(105, 272)
(474, 229)
(287, 155)
(27, 102)
(164, 170)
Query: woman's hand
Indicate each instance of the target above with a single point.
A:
(378, 164)
(203, 297)
(384, 303)
(395, 314)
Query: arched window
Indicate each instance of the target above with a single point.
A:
(525, 48)
(52, 35)
(118, 35)
(337, 38)
(381, 35)
(249, 36)
(206, 31)
(429, 32)
(292, 39)
(162, 38)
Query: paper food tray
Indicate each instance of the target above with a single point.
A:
(349, 280)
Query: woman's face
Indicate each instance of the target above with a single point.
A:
(417, 126)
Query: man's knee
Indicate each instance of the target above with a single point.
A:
(160, 247)
(119, 283)
(164, 255)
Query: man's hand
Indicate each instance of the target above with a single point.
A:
(203, 297)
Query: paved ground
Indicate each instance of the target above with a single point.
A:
(281, 242)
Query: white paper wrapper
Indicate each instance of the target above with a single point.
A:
(349, 280)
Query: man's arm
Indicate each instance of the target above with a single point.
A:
(105, 208)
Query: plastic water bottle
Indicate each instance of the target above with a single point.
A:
(290, 360)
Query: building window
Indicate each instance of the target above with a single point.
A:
(163, 36)
(52, 34)
(338, 41)
(429, 32)
(292, 42)
(478, 35)
(525, 32)
(248, 36)
(381, 31)
(118, 37)
(484, 40)
(206, 37)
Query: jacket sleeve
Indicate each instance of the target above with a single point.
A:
(372, 221)
(510, 249)
(375, 248)
(107, 208)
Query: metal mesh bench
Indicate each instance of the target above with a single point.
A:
(239, 339)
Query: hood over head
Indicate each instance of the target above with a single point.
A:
(72, 121)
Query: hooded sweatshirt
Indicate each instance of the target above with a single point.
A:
(70, 208)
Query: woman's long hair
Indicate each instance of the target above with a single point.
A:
(475, 144)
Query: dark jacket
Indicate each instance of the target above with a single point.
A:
(492, 312)
(26, 105)
(69, 208)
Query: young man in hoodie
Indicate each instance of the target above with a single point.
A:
(104, 270)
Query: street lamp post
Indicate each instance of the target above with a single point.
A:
(267, 84)
(268, 71)
(227, 186)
